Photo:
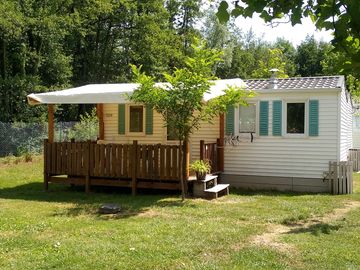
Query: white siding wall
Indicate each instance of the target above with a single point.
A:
(345, 125)
(111, 128)
(356, 132)
(207, 132)
(304, 157)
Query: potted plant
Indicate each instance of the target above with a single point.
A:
(201, 168)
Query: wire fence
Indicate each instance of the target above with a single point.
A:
(19, 138)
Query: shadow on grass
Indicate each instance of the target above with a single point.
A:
(316, 229)
(88, 204)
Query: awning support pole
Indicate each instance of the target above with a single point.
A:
(221, 143)
(100, 115)
(51, 123)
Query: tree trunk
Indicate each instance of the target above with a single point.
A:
(184, 168)
(182, 178)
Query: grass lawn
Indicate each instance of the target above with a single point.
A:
(61, 229)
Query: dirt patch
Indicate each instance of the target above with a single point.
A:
(339, 213)
(224, 200)
(271, 238)
(153, 213)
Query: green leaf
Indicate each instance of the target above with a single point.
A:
(236, 12)
(223, 14)
(265, 15)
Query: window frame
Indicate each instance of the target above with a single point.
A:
(306, 118)
(127, 120)
(167, 137)
(237, 118)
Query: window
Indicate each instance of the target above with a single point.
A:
(136, 119)
(247, 118)
(170, 135)
(295, 118)
(356, 121)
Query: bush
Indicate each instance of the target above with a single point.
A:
(86, 129)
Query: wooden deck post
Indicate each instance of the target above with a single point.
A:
(218, 148)
(46, 176)
(100, 115)
(134, 160)
(221, 144)
(87, 168)
(202, 142)
(51, 123)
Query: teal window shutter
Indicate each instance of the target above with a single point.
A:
(121, 118)
(149, 120)
(264, 118)
(230, 121)
(277, 118)
(313, 118)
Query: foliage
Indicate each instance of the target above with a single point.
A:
(200, 166)
(61, 43)
(180, 100)
(86, 129)
(274, 59)
(309, 56)
(340, 16)
(13, 102)
(288, 55)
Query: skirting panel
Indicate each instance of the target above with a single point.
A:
(275, 183)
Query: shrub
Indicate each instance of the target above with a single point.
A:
(86, 129)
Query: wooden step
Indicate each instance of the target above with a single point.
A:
(208, 178)
(214, 191)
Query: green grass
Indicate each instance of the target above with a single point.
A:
(61, 229)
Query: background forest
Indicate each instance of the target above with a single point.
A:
(48, 45)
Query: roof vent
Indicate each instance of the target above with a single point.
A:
(273, 80)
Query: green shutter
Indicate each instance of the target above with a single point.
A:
(313, 118)
(149, 120)
(264, 118)
(230, 121)
(277, 118)
(121, 118)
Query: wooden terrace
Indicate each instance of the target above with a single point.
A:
(120, 165)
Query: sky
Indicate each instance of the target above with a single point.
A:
(294, 34)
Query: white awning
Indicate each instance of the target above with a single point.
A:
(112, 93)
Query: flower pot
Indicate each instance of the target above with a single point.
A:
(200, 176)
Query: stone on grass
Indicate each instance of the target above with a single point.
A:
(109, 208)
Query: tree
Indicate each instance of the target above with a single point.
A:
(340, 16)
(333, 64)
(183, 16)
(180, 101)
(274, 59)
(309, 55)
(288, 54)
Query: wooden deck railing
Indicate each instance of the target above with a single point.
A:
(114, 161)
(210, 151)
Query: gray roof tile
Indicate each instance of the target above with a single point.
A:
(323, 82)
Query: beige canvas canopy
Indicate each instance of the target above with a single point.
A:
(113, 93)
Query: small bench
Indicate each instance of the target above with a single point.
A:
(220, 188)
